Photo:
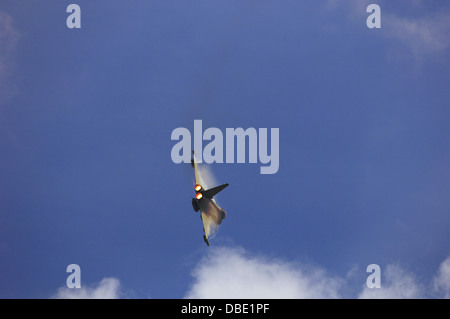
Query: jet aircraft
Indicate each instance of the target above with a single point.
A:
(211, 214)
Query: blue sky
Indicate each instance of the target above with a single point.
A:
(86, 176)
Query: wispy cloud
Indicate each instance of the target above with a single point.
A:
(8, 40)
(108, 288)
(424, 34)
(396, 284)
(442, 279)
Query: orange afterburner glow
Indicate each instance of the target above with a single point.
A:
(199, 195)
(198, 187)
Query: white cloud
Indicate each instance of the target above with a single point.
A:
(108, 288)
(396, 283)
(231, 273)
(442, 279)
(235, 274)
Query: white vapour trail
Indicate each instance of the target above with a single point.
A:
(207, 177)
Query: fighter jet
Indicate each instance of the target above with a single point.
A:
(211, 214)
